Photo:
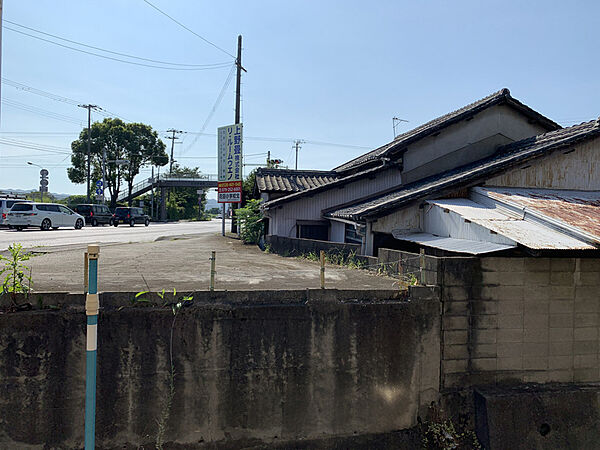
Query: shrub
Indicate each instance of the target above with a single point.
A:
(249, 220)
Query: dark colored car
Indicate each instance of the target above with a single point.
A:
(130, 216)
(95, 214)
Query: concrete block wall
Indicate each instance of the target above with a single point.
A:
(520, 320)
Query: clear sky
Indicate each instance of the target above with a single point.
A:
(321, 71)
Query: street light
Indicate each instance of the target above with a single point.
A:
(43, 179)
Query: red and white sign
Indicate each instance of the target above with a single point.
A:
(230, 192)
(229, 142)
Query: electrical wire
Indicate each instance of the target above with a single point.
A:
(188, 29)
(214, 108)
(42, 112)
(112, 58)
(225, 63)
(103, 112)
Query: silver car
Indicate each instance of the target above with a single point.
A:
(43, 215)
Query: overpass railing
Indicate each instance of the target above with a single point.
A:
(147, 184)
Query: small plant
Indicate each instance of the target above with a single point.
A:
(268, 248)
(17, 276)
(139, 298)
(166, 411)
(440, 433)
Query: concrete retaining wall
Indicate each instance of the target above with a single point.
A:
(265, 368)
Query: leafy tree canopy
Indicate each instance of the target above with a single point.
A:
(134, 142)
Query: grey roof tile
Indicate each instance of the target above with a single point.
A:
(505, 158)
(435, 125)
(286, 180)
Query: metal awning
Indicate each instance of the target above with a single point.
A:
(452, 244)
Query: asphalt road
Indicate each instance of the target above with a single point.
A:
(71, 238)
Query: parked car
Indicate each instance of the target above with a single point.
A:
(95, 214)
(43, 215)
(131, 216)
(6, 203)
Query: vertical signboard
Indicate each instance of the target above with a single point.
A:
(229, 143)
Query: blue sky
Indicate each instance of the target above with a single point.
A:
(333, 72)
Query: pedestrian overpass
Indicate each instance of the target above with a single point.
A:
(165, 182)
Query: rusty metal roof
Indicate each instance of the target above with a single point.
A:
(574, 211)
(504, 223)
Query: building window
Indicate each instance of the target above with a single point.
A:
(351, 236)
(318, 231)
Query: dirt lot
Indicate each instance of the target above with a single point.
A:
(184, 264)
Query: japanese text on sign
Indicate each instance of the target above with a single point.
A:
(229, 143)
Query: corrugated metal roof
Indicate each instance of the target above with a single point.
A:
(530, 234)
(452, 244)
(577, 209)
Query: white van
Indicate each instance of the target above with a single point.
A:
(43, 215)
(6, 202)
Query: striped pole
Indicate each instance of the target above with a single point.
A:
(91, 311)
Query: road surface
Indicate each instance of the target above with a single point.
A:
(68, 237)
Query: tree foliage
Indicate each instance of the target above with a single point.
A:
(251, 227)
(182, 203)
(135, 142)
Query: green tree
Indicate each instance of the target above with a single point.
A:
(251, 227)
(183, 203)
(248, 187)
(135, 142)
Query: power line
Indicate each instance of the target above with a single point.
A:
(214, 108)
(186, 28)
(41, 112)
(111, 58)
(58, 98)
(225, 63)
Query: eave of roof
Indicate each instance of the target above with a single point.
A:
(286, 180)
(336, 183)
(435, 125)
(468, 175)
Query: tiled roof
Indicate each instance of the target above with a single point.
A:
(285, 180)
(401, 141)
(505, 157)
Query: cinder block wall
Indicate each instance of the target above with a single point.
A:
(520, 320)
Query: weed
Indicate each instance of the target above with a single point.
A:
(16, 279)
(166, 410)
(440, 433)
(268, 248)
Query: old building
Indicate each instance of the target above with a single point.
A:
(462, 137)
(494, 176)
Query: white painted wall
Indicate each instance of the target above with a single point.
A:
(578, 170)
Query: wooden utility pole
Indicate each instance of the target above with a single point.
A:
(238, 83)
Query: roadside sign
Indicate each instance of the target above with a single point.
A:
(229, 144)
(44, 173)
(44, 182)
(43, 189)
(99, 183)
(99, 191)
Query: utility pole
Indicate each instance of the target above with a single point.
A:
(297, 143)
(172, 138)
(89, 143)
(238, 83)
(1, 1)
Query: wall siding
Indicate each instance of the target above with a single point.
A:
(579, 170)
(284, 219)
(431, 155)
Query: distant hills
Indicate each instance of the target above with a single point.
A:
(29, 191)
